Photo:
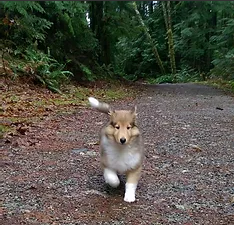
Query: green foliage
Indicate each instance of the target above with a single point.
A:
(59, 25)
(134, 56)
(52, 75)
(192, 33)
(43, 69)
(22, 7)
(25, 21)
(70, 28)
(224, 52)
(112, 44)
(168, 78)
(187, 74)
(87, 73)
(224, 65)
(128, 57)
(184, 75)
(227, 86)
(70, 38)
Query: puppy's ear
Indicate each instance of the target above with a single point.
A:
(134, 110)
(111, 112)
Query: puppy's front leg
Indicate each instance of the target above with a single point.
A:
(133, 177)
(111, 177)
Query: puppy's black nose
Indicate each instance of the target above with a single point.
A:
(122, 140)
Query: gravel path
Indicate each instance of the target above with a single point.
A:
(52, 174)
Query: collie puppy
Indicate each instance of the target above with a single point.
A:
(121, 148)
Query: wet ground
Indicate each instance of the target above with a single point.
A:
(51, 175)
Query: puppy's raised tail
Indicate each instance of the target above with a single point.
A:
(100, 106)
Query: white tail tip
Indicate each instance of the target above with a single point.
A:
(93, 102)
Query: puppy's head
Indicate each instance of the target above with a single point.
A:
(122, 126)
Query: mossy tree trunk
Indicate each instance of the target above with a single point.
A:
(145, 28)
(167, 17)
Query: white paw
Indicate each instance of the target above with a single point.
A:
(130, 190)
(129, 197)
(111, 178)
(93, 102)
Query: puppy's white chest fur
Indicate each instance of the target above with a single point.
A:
(120, 157)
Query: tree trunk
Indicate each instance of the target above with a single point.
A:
(98, 23)
(151, 7)
(154, 49)
(213, 26)
(167, 18)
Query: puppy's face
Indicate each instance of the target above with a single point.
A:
(122, 126)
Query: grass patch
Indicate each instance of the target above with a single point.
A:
(4, 129)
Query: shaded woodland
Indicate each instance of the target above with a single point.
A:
(54, 42)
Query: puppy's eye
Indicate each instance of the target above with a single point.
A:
(117, 127)
(129, 127)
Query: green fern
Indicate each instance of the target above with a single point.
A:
(27, 26)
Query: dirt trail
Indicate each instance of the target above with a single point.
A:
(52, 175)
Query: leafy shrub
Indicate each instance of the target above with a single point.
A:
(88, 75)
(182, 76)
(25, 21)
(162, 79)
(43, 68)
(187, 74)
(224, 66)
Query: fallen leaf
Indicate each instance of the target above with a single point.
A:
(93, 143)
(195, 147)
(232, 200)
(23, 129)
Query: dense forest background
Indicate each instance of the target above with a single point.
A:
(53, 42)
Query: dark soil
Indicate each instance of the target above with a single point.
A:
(51, 174)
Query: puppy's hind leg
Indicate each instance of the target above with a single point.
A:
(111, 177)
